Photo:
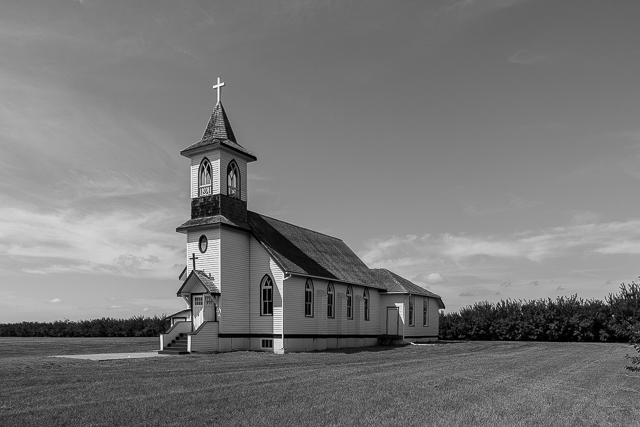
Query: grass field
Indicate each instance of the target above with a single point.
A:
(473, 383)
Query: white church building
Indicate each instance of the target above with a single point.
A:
(253, 282)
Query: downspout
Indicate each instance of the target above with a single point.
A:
(286, 276)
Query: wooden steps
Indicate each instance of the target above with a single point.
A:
(176, 346)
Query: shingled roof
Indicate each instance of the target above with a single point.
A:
(201, 277)
(306, 252)
(210, 220)
(394, 283)
(218, 132)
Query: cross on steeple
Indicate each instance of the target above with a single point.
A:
(193, 258)
(218, 88)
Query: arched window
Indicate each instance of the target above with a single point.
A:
(366, 304)
(425, 311)
(266, 296)
(349, 302)
(308, 298)
(233, 180)
(204, 178)
(411, 310)
(330, 301)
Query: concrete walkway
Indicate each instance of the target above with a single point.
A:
(114, 356)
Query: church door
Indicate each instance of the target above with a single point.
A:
(392, 320)
(209, 309)
(198, 311)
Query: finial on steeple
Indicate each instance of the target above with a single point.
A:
(218, 88)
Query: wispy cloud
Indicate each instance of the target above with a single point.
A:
(55, 301)
(527, 57)
(118, 242)
(533, 246)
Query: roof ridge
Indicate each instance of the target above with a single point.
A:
(297, 226)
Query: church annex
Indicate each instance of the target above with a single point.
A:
(252, 282)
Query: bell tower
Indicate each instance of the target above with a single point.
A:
(218, 173)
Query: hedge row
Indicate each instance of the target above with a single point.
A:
(563, 319)
(137, 326)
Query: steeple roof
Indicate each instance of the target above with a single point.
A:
(219, 126)
(218, 132)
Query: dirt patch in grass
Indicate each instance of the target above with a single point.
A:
(476, 383)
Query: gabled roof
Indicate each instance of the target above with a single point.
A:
(398, 284)
(218, 133)
(198, 277)
(301, 251)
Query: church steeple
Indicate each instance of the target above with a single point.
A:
(218, 173)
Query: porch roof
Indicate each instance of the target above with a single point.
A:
(198, 277)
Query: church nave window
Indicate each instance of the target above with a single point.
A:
(366, 304)
(411, 310)
(349, 302)
(308, 298)
(204, 178)
(425, 311)
(330, 301)
(266, 296)
(233, 180)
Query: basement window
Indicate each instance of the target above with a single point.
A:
(266, 344)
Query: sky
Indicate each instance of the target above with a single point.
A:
(484, 149)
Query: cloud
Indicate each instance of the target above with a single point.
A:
(55, 301)
(115, 306)
(526, 57)
(432, 278)
(506, 284)
(560, 288)
(145, 309)
(531, 245)
(66, 241)
(467, 294)
(535, 283)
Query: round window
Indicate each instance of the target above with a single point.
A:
(203, 243)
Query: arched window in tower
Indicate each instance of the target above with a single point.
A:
(233, 180)
(349, 302)
(330, 301)
(308, 298)
(366, 304)
(266, 296)
(204, 178)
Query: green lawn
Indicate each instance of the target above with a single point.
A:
(475, 383)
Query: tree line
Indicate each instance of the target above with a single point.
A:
(563, 319)
(137, 326)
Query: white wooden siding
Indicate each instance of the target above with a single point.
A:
(214, 158)
(234, 280)
(209, 262)
(393, 300)
(261, 264)
(225, 159)
(206, 339)
(295, 321)
(432, 328)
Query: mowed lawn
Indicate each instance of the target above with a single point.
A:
(470, 383)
